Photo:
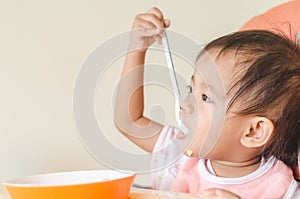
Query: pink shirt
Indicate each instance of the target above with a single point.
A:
(176, 172)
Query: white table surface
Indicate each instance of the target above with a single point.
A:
(3, 192)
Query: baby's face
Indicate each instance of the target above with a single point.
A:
(214, 131)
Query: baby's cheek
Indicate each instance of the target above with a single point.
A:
(200, 139)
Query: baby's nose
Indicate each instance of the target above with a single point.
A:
(180, 113)
(186, 109)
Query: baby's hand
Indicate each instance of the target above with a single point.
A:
(147, 28)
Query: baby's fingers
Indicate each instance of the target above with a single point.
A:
(146, 32)
(167, 23)
(156, 12)
(148, 28)
(158, 39)
(159, 17)
(151, 21)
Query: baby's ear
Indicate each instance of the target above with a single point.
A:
(258, 133)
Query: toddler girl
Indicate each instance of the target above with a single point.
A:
(255, 152)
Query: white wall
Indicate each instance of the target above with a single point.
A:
(42, 47)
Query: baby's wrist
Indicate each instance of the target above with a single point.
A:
(137, 51)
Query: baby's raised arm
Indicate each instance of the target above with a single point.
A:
(129, 108)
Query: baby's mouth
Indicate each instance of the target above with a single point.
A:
(183, 128)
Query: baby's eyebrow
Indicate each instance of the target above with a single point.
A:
(192, 82)
(208, 88)
(192, 78)
(205, 86)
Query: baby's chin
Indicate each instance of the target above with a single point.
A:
(189, 153)
(192, 154)
(195, 152)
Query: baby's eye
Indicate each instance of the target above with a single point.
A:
(206, 98)
(189, 89)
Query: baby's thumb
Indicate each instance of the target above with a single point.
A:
(167, 23)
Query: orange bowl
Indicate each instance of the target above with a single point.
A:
(93, 184)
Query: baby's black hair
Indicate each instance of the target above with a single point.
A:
(268, 82)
